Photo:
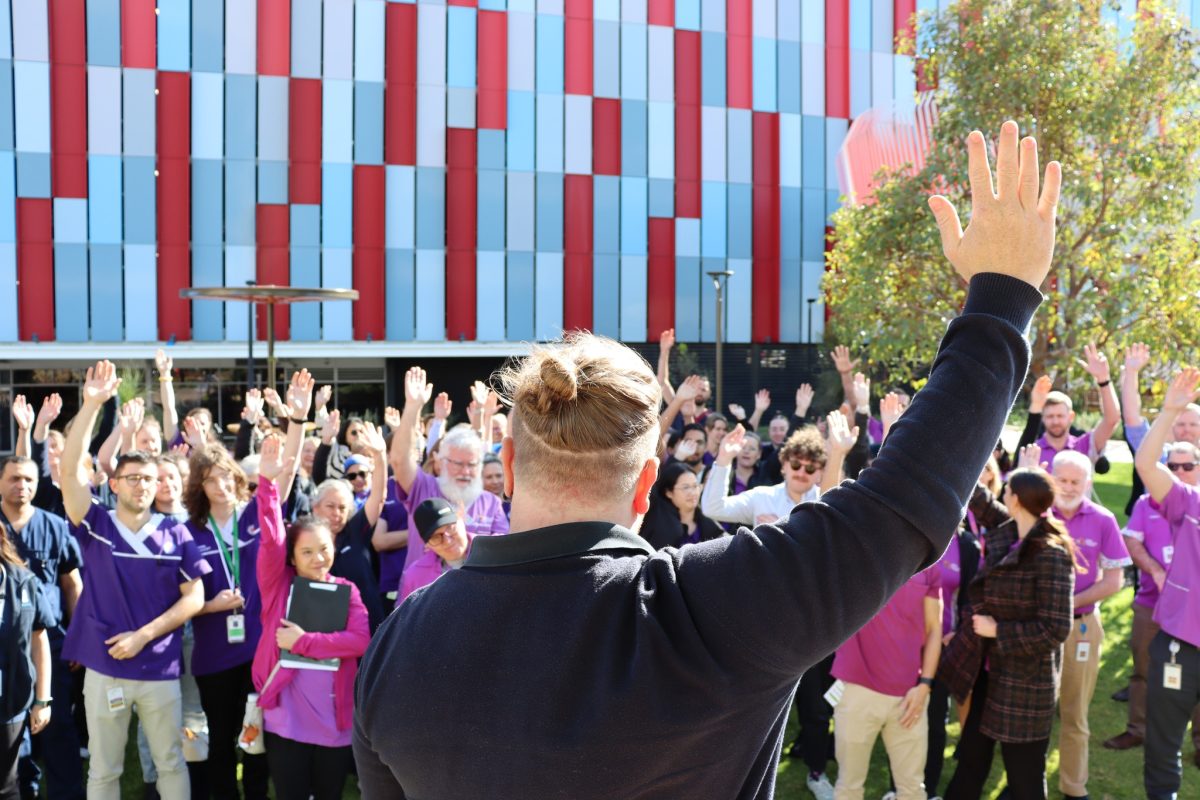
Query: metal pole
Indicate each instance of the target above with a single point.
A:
(271, 344)
(718, 394)
(812, 301)
(250, 342)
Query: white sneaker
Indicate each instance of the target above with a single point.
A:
(889, 796)
(820, 786)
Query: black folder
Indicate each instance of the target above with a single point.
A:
(317, 607)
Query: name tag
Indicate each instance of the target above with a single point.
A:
(834, 695)
(1168, 554)
(1173, 676)
(116, 699)
(1083, 651)
(235, 628)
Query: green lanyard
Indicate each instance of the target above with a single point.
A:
(232, 559)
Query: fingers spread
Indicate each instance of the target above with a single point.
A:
(947, 221)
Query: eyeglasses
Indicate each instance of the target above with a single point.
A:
(442, 537)
(471, 465)
(353, 476)
(811, 469)
(1188, 467)
(138, 480)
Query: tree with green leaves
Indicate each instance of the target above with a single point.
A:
(1122, 118)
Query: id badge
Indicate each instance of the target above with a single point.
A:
(1173, 676)
(1083, 651)
(235, 628)
(1168, 554)
(116, 699)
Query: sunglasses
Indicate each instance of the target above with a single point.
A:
(353, 476)
(811, 469)
(1188, 467)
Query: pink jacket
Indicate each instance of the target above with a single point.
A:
(274, 580)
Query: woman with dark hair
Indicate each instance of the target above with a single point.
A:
(307, 713)
(674, 518)
(24, 659)
(1006, 656)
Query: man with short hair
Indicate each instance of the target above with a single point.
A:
(1102, 552)
(1054, 412)
(446, 545)
(690, 448)
(143, 583)
(460, 480)
(42, 539)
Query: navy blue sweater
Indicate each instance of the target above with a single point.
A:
(575, 662)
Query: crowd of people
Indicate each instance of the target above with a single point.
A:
(147, 570)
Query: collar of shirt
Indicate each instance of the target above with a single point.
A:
(556, 541)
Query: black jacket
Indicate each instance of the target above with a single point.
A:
(25, 610)
(576, 662)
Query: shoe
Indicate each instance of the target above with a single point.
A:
(889, 796)
(1124, 741)
(820, 786)
(1121, 695)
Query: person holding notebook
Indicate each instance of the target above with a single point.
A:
(307, 713)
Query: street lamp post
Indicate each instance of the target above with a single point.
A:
(812, 301)
(250, 319)
(716, 276)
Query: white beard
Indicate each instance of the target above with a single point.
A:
(452, 491)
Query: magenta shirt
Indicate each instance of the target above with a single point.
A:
(949, 569)
(885, 655)
(1099, 542)
(485, 516)
(305, 711)
(1080, 444)
(1148, 526)
(1178, 609)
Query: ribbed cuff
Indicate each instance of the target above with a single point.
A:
(1010, 299)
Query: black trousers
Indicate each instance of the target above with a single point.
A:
(10, 750)
(223, 696)
(1167, 715)
(57, 746)
(814, 739)
(300, 771)
(1024, 763)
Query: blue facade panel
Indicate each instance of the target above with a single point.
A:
(519, 297)
(549, 227)
(105, 292)
(431, 217)
(208, 269)
(401, 291)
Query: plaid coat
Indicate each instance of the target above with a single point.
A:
(1030, 594)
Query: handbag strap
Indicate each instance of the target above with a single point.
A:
(270, 678)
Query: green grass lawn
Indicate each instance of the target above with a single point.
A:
(1114, 776)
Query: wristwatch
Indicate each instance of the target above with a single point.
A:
(926, 682)
(43, 703)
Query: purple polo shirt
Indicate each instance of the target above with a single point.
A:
(1098, 540)
(949, 570)
(391, 562)
(1080, 444)
(422, 572)
(132, 578)
(885, 655)
(1148, 526)
(1178, 609)
(213, 652)
(485, 516)
(305, 712)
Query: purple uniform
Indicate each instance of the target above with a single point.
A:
(885, 655)
(485, 516)
(1148, 526)
(1098, 539)
(213, 651)
(1080, 444)
(132, 578)
(391, 562)
(949, 568)
(1178, 609)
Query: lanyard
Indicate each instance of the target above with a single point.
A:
(231, 560)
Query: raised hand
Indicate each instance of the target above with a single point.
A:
(686, 448)
(890, 409)
(1183, 390)
(101, 383)
(332, 426)
(1041, 390)
(253, 409)
(1096, 364)
(372, 439)
(730, 446)
(1029, 457)
(862, 392)
(192, 433)
(842, 360)
(182, 449)
(479, 392)
(22, 413)
(51, 408)
(690, 388)
(163, 363)
(474, 411)
(737, 412)
(274, 402)
(666, 340)
(324, 394)
(416, 390)
(1137, 356)
(1012, 229)
(442, 406)
(271, 463)
(391, 417)
(840, 437)
(804, 398)
(131, 416)
(762, 399)
(491, 406)
(300, 395)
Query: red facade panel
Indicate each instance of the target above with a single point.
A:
(578, 51)
(765, 282)
(462, 200)
(739, 53)
(273, 261)
(660, 278)
(606, 136)
(35, 269)
(837, 58)
(577, 261)
(174, 274)
(139, 34)
(173, 202)
(661, 12)
(687, 124)
(902, 12)
(304, 140)
(370, 196)
(492, 68)
(68, 99)
(274, 37)
(400, 91)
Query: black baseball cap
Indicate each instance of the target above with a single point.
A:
(432, 514)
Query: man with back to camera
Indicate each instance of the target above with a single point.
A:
(617, 671)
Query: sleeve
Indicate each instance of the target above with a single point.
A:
(44, 617)
(320, 468)
(1113, 552)
(989, 512)
(856, 459)
(1136, 434)
(1055, 588)
(69, 556)
(850, 552)
(360, 530)
(1178, 502)
(717, 504)
(933, 582)
(1135, 528)
(272, 555)
(350, 643)
(241, 446)
(192, 564)
(1033, 426)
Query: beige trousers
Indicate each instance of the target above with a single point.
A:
(860, 717)
(1078, 686)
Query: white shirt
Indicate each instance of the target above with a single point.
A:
(747, 507)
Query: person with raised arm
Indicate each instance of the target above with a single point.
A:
(307, 713)
(1173, 679)
(762, 402)
(614, 670)
(1053, 412)
(143, 583)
